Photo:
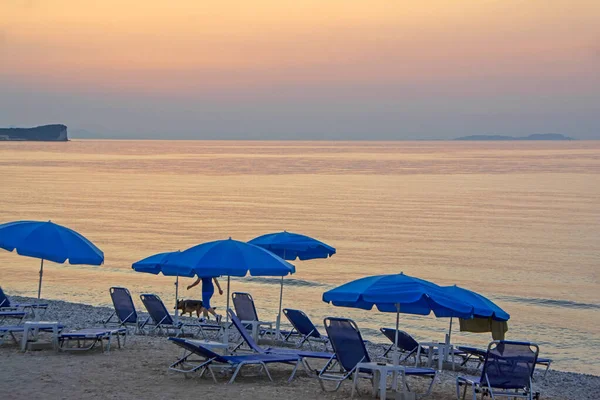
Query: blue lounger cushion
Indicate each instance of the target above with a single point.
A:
(92, 336)
(406, 344)
(12, 314)
(507, 370)
(350, 350)
(5, 303)
(480, 353)
(10, 330)
(93, 333)
(21, 328)
(249, 340)
(234, 362)
(124, 308)
(195, 347)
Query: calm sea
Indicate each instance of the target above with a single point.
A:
(516, 221)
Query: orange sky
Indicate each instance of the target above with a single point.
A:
(253, 48)
(162, 46)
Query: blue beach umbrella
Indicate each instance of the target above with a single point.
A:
(398, 293)
(482, 306)
(229, 257)
(154, 265)
(291, 246)
(49, 241)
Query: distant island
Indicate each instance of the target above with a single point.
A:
(539, 136)
(45, 133)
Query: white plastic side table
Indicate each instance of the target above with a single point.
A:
(33, 328)
(444, 350)
(255, 327)
(381, 371)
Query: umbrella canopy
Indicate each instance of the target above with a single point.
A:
(399, 294)
(482, 306)
(154, 265)
(49, 241)
(387, 292)
(228, 257)
(291, 246)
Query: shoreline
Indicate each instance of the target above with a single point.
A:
(144, 362)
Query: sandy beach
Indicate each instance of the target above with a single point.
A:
(140, 370)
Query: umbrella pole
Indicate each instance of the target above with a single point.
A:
(446, 352)
(226, 331)
(277, 330)
(176, 296)
(396, 358)
(40, 283)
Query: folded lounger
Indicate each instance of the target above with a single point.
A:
(246, 311)
(249, 340)
(86, 339)
(303, 326)
(10, 330)
(235, 363)
(124, 314)
(406, 344)
(7, 305)
(507, 371)
(20, 315)
(350, 350)
(468, 353)
(163, 322)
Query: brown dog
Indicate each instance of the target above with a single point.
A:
(189, 306)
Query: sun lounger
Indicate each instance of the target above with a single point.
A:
(7, 305)
(507, 371)
(468, 353)
(246, 311)
(164, 323)
(303, 326)
(86, 339)
(406, 344)
(10, 330)
(350, 350)
(234, 363)
(249, 341)
(20, 315)
(124, 313)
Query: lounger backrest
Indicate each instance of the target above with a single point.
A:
(346, 341)
(199, 349)
(509, 365)
(244, 306)
(4, 301)
(240, 327)
(123, 304)
(405, 341)
(156, 308)
(301, 322)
